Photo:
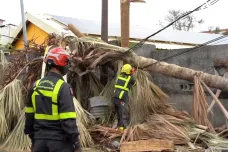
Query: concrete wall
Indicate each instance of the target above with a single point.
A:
(180, 91)
(145, 50)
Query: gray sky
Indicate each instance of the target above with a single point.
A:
(142, 14)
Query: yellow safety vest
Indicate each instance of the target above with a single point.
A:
(122, 84)
(54, 98)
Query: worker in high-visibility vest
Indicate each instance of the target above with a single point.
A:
(120, 99)
(50, 113)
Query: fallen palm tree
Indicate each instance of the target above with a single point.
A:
(89, 53)
(151, 115)
(147, 100)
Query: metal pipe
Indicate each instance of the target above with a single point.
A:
(23, 23)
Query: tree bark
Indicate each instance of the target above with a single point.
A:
(175, 71)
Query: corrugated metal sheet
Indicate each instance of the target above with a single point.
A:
(98, 106)
(94, 27)
(58, 24)
(170, 46)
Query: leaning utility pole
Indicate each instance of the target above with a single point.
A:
(125, 20)
(104, 21)
(23, 23)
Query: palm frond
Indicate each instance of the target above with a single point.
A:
(17, 140)
(146, 98)
(4, 64)
(84, 119)
(12, 103)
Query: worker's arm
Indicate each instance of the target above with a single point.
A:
(133, 81)
(29, 116)
(67, 113)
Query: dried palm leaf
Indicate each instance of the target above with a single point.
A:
(146, 98)
(4, 64)
(83, 120)
(108, 90)
(95, 84)
(159, 127)
(3, 60)
(200, 105)
(12, 103)
(82, 115)
(85, 138)
(17, 140)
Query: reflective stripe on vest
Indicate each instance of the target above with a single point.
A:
(54, 95)
(29, 110)
(123, 88)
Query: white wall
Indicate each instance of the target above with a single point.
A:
(8, 30)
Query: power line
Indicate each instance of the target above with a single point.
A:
(192, 49)
(225, 39)
(170, 24)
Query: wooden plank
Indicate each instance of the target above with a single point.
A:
(217, 93)
(154, 145)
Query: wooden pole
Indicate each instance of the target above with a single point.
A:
(104, 21)
(104, 37)
(75, 30)
(217, 95)
(216, 99)
(125, 22)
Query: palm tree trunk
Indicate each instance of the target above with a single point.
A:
(175, 71)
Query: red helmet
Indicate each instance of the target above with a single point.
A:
(57, 56)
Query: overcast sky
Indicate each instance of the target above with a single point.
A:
(142, 14)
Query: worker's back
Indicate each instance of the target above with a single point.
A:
(50, 113)
(53, 106)
(123, 85)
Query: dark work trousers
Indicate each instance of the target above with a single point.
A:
(122, 111)
(52, 146)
